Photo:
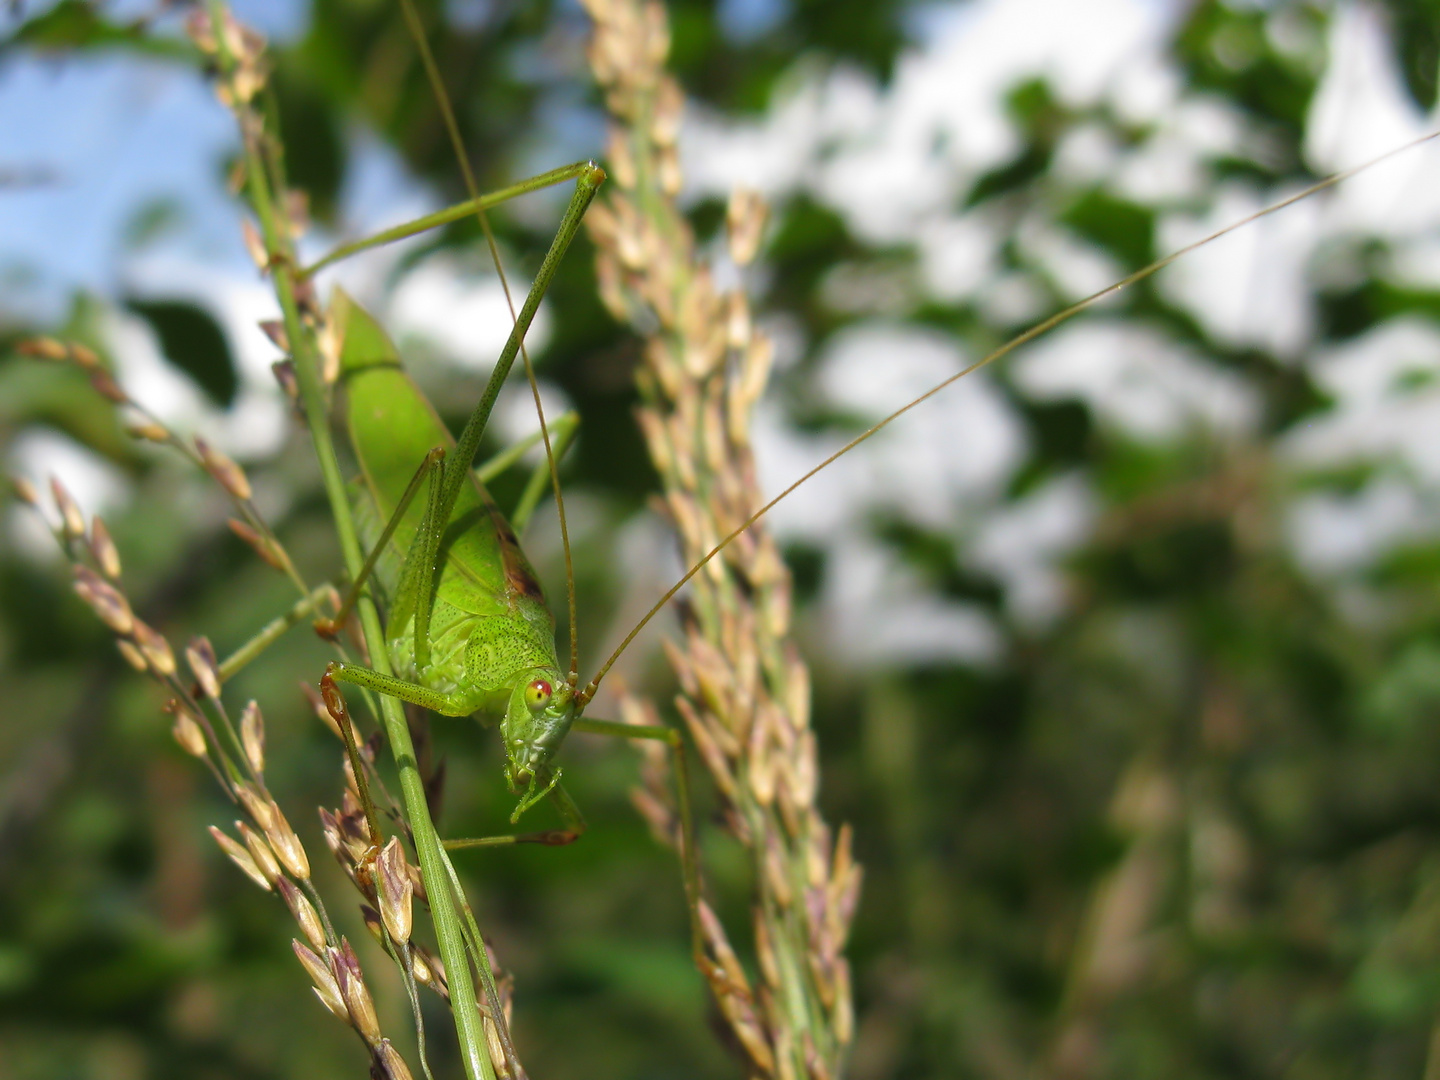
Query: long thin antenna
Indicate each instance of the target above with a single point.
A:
(442, 99)
(1010, 346)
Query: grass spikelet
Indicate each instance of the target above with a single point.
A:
(746, 692)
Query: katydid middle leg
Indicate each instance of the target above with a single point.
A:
(562, 434)
(564, 805)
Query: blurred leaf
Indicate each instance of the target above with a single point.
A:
(77, 24)
(192, 341)
(310, 131)
(1415, 34)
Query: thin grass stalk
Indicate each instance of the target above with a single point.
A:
(241, 78)
(268, 850)
(745, 691)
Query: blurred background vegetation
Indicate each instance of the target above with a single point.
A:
(1126, 656)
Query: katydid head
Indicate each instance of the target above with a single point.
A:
(537, 719)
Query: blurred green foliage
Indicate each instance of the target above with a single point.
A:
(1188, 830)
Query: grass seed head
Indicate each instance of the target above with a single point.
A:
(104, 549)
(354, 993)
(132, 655)
(394, 891)
(71, 519)
(108, 602)
(106, 386)
(226, 473)
(149, 431)
(274, 329)
(259, 851)
(25, 491)
(303, 911)
(84, 356)
(286, 844)
(156, 649)
(330, 829)
(284, 371)
(297, 211)
(389, 1064)
(257, 807)
(240, 857)
(252, 735)
(745, 224)
(496, 1049)
(421, 969)
(201, 657)
(188, 733)
(326, 989)
(255, 246)
(373, 923)
(263, 546)
(43, 348)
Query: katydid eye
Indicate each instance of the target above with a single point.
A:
(537, 694)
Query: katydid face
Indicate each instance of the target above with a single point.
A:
(537, 720)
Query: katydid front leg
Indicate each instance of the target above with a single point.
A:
(570, 813)
(369, 679)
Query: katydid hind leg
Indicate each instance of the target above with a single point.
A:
(457, 469)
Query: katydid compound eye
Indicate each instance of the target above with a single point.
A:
(537, 694)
